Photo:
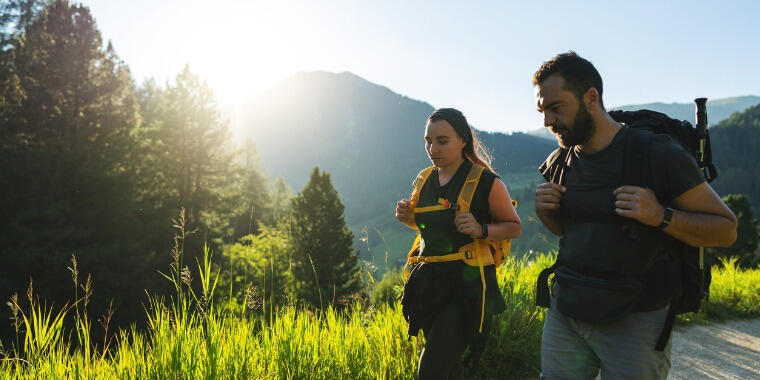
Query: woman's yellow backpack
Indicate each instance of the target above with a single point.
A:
(475, 253)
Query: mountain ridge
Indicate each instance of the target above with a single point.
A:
(717, 110)
(370, 140)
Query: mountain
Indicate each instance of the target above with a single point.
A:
(370, 141)
(717, 110)
(363, 134)
(367, 137)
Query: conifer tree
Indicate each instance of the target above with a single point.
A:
(324, 262)
(257, 206)
(280, 195)
(188, 145)
(68, 136)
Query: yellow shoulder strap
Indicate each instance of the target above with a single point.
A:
(468, 189)
(417, 187)
(413, 199)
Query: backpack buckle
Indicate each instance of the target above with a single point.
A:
(448, 204)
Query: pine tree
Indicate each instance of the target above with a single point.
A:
(15, 17)
(324, 262)
(188, 146)
(280, 195)
(258, 208)
(68, 186)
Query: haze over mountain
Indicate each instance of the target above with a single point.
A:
(367, 137)
(370, 141)
(362, 133)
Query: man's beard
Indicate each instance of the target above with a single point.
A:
(576, 134)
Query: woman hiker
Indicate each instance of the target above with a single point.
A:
(465, 216)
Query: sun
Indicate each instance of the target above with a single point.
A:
(243, 50)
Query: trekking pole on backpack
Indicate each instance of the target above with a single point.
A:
(704, 155)
(701, 132)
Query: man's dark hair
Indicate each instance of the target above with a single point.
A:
(579, 74)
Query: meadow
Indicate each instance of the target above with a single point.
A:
(191, 336)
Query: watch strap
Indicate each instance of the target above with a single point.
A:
(667, 216)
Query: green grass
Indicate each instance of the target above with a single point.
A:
(734, 292)
(190, 337)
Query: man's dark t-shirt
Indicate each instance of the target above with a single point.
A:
(593, 240)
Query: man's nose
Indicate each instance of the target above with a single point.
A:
(548, 120)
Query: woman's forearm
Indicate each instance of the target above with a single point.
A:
(504, 230)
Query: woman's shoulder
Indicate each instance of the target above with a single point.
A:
(487, 179)
(488, 175)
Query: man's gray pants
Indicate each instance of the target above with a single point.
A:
(624, 349)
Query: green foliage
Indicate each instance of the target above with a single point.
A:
(15, 17)
(258, 208)
(357, 343)
(514, 348)
(259, 263)
(67, 137)
(280, 196)
(43, 328)
(734, 292)
(187, 151)
(325, 265)
(89, 163)
(745, 249)
(734, 144)
(389, 288)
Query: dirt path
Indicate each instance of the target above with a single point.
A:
(725, 350)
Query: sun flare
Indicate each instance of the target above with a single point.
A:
(241, 50)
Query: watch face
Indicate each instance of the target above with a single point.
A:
(666, 217)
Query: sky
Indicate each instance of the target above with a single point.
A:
(476, 56)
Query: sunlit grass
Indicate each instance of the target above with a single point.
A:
(734, 292)
(190, 337)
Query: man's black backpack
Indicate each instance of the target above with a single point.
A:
(693, 271)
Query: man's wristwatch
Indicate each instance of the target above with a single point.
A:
(485, 231)
(666, 218)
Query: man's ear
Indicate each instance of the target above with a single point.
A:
(591, 98)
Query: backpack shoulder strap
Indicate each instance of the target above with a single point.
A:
(543, 295)
(637, 163)
(553, 169)
(637, 171)
(419, 182)
(468, 189)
